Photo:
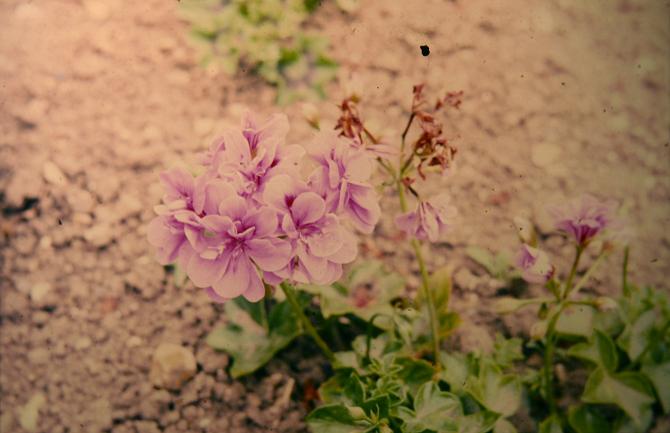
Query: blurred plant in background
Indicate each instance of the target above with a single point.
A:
(268, 38)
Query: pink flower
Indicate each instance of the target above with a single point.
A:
(534, 265)
(583, 218)
(430, 221)
(235, 242)
(252, 155)
(321, 244)
(166, 232)
(342, 179)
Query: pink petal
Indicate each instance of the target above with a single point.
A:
(234, 207)
(158, 231)
(334, 177)
(359, 167)
(314, 266)
(237, 149)
(205, 272)
(256, 290)
(178, 183)
(307, 208)
(235, 280)
(269, 254)
(348, 251)
(217, 223)
(216, 192)
(215, 296)
(264, 220)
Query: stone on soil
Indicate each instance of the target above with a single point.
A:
(172, 366)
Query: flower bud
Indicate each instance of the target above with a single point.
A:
(534, 265)
(311, 115)
(525, 230)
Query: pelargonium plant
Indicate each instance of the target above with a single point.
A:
(271, 230)
(624, 342)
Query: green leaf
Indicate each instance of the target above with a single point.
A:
(498, 265)
(415, 372)
(433, 410)
(344, 387)
(627, 391)
(635, 337)
(247, 342)
(659, 376)
(455, 370)
(366, 291)
(480, 422)
(600, 350)
(551, 425)
(506, 351)
(576, 321)
(338, 418)
(587, 419)
(497, 392)
(504, 426)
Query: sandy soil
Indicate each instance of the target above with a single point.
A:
(97, 97)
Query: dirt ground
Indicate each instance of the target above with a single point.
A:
(97, 97)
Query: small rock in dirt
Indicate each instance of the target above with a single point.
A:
(23, 184)
(39, 291)
(80, 200)
(465, 279)
(545, 154)
(172, 366)
(29, 414)
(39, 356)
(474, 338)
(133, 341)
(82, 343)
(127, 206)
(99, 235)
(53, 174)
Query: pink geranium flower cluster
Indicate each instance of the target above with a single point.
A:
(251, 217)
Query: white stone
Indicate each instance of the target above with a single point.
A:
(53, 174)
(172, 366)
(39, 291)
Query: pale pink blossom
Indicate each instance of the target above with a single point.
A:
(320, 243)
(534, 264)
(236, 244)
(584, 218)
(431, 220)
(342, 178)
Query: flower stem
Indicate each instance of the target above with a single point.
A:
(588, 273)
(290, 293)
(573, 271)
(549, 350)
(425, 283)
(624, 271)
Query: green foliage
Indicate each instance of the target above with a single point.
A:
(392, 390)
(366, 292)
(266, 37)
(497, 265)
(248, 340)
